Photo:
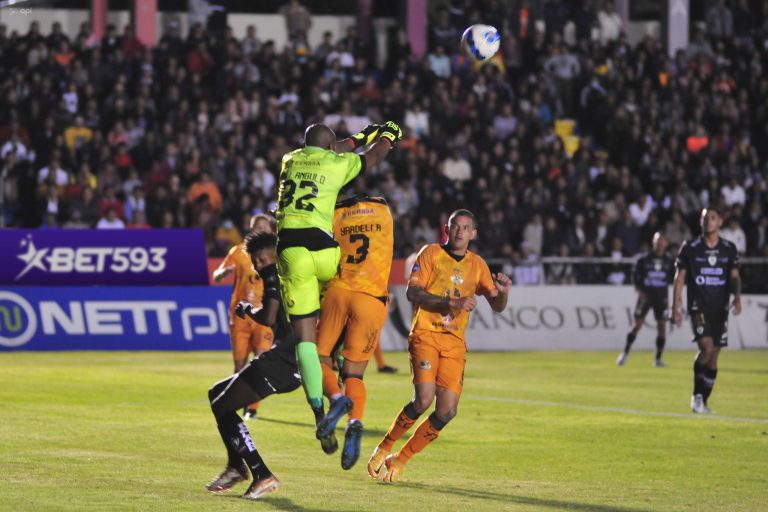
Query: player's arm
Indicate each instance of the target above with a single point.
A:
(638, 278)
(358, 140)
(265, 315)
(389, 135)
(223, 270)
(677, 296)
(497, 298)
(736, 290)
(421, 297)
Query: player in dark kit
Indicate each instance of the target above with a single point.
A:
(272, 372)
(653, 275)
(709, 267)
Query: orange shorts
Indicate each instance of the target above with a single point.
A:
(438, 358)
(248, 336)
(361, 314)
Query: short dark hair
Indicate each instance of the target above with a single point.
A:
(319, 135)
(713, 208)
(462, 213)
(255, 242)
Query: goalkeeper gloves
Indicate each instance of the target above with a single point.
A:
(366, 136)
(245, 308)
(391, 131)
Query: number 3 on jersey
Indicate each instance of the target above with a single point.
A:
(362, 251)
(302, 203)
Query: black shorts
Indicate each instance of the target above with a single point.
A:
(710, 325)
(646, 302)
(273, 372)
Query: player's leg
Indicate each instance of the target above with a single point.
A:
(381, 364)
(702, 380)
(240, 332)
(661, 340)
(641, 310)
(450, 381)
(425, 360)
(226, 397)
(301, 298)
(260, 341)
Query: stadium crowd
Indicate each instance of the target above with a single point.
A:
(190, 133)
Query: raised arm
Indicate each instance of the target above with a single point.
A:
(497, 299)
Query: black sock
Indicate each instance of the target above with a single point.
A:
(660, 342)
(698, 378)
(236, 434)
(436, 422)
(631, 335)
(319, 413)
(410, 411)
(710, 374)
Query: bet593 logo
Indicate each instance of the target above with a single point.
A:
(91, 259)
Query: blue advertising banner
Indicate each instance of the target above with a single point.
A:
(114, 318)
(102, 257)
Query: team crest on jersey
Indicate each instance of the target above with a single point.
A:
(456, 277)
(657, 265)
(425, 365)
(712, 260)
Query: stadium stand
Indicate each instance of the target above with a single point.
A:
(562, 147)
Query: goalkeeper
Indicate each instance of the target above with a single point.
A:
(307, 254)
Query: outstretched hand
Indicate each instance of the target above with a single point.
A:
(502, 282)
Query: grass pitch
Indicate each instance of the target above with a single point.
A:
(535, 431)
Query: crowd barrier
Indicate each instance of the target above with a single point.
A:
(114, 318)
(196, 318)
(569, 318)
(72, 257)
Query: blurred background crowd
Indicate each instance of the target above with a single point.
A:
(569, 143)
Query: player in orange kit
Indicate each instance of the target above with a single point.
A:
(245, 335)
(444, 282)
(355, 300)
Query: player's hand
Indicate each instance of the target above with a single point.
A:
(465, 303)
(391, 131)
(366, 136)
(502, 282)
(736, 306)
(677, 317)
(245, 308)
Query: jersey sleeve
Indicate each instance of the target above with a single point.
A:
(423, 268)
(354, 165)
(735, 257)
(271, 287)
(231, 258)
(682, 261)
(485, 284)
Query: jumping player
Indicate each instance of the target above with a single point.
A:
(355, 302)
(443, 285)
(653, 275)
(708, 267)
(246, 336)
(275, 371)
(308, 256)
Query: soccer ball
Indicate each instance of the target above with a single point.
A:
(480, 42)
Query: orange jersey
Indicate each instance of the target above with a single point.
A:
(440, 274)
(363, 228)
(248, 285)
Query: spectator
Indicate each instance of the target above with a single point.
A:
(208, 188)
(139, 221)
(110, 220)
(533, 234)
(417, 120)
(677, 230)
(719, 20)
(456, 168)
(611, 24)
(733, 233)
(641, 209)
(733, 192)
(262, 179)
(439, 63)
(527, 267)
(297, 18)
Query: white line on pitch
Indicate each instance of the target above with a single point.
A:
(616, 409)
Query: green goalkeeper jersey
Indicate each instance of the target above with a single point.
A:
(310, 181)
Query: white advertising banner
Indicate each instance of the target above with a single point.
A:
(575, 318)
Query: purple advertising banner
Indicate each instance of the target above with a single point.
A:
(58, 257)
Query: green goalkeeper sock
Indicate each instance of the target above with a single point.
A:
(311, 373)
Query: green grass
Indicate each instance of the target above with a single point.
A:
(132, 431)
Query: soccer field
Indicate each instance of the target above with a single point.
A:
(535, 431)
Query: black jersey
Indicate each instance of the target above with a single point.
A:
(653, 274)
(284, 337)
(708, 277)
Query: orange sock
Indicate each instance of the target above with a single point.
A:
(254, 406)
(330, 381)
(354, 388)
(425, 434)
(379, 355)
(400, 426)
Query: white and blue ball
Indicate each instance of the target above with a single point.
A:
(480, 42)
